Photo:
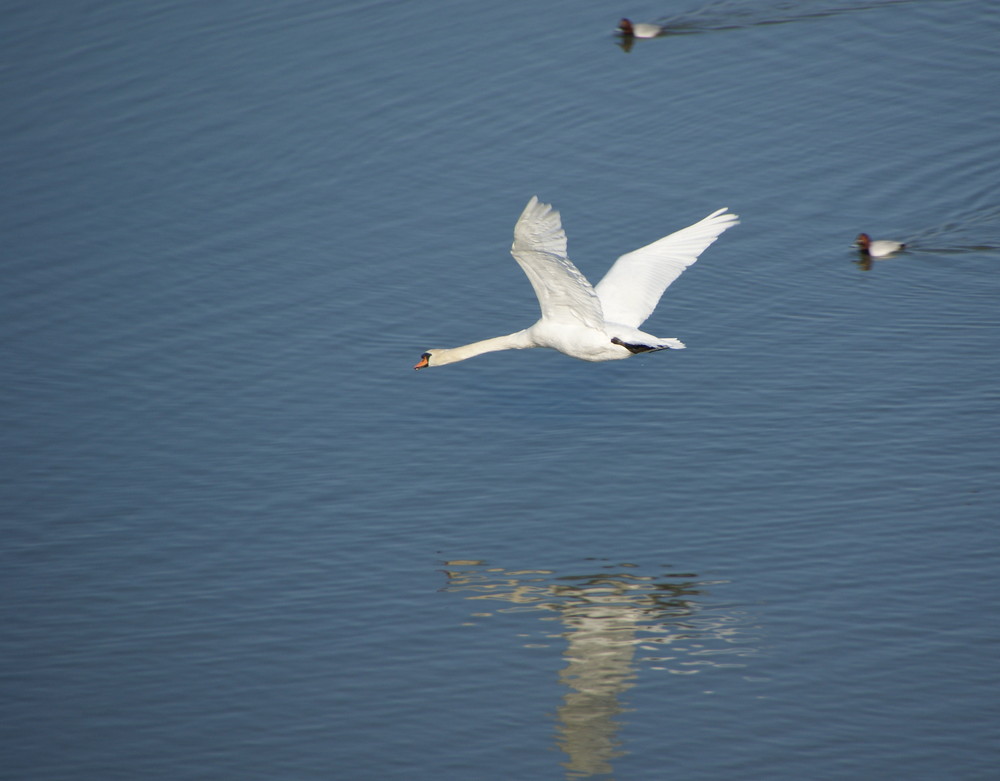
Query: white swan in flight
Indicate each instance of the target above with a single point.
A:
(591, 323)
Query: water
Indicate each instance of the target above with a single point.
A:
(243, 539)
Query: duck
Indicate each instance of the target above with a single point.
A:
(881, 248)
(591, 323)
(640, 29)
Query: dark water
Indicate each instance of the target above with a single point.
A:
(243, 539)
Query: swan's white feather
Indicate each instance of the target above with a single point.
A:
(564, 294)
(633, 286)
(573, 313)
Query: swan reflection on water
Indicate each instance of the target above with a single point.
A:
(611, 621)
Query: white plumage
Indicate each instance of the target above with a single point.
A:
(591, 323)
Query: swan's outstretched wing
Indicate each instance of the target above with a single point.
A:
(632, 287)
(564, 294)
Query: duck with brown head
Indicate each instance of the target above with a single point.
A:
(881, 248)
(632, 29)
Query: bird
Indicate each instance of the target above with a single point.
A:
(640, 29)
(592, 323)
(877, 249)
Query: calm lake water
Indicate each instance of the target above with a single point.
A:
(244, 540)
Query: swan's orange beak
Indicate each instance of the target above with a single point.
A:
(424, 362)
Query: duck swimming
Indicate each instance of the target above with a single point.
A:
(877, 249)
(640, 29)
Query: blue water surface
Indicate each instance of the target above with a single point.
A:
(243, 539)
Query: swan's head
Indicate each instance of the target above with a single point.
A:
(441, 356)
(863, 242)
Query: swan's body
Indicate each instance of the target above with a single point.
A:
(591, 323)
(881, 248)
(640, 29)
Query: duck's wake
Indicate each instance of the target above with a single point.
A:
(731, 15)
(978, 231)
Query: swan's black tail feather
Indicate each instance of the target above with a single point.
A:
(635, 349)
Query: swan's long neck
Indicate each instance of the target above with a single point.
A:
(515, 341)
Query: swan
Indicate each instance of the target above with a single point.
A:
(629, 28)
(591, 323)
(876, 249)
